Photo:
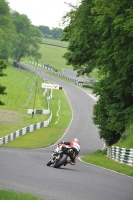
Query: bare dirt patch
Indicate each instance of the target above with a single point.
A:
(10, 117)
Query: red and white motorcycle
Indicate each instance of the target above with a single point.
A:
(60, 155)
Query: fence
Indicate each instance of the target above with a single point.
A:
(91, 81)
(121, 155)
(25, 130)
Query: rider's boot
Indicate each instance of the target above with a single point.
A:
(66, 162)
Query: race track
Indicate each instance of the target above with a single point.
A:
(26, 171)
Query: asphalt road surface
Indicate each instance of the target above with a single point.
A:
(26, 171)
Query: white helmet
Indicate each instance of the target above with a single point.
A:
(76, 140)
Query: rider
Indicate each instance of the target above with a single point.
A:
(74, 144)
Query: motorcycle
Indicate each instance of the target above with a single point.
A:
(60, 155)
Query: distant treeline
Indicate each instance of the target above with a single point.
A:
(55, 33)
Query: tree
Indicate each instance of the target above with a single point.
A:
(3, 66)
(7, 31)
(45, 30)
(55, 33)
(82, 37)
(100, 36)
(28, 38)
(115, 57)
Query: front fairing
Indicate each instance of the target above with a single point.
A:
(59, 151)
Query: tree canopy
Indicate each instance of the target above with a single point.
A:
(3, 66)
(100, 35)
(27, 39)
(18, 38)
(7, 31)
(54, 33)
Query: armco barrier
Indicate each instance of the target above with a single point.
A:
(25, 130)
(121, 155)
(51, 70)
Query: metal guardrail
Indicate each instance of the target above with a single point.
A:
(121, 155)
(28, 129)
(48, 67)
(25, 130)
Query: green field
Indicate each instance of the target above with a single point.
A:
(22, 94)
(13, 115)
(52, 55)
(10, 195)
(55, 42)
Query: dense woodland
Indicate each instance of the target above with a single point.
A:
(100, 36)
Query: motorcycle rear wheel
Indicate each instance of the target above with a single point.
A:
(61, 161)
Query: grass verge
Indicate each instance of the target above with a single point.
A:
(56, 60)
(20, 89)
(99, 158)
(10, 195)
(62, 114)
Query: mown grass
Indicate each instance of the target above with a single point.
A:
(13, 115)
(59, 105)
(51, 55)
(99, 158)
(10, 195)
(55, 42)
(126, 140)
(19, 84)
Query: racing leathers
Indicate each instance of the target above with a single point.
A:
(76, 148)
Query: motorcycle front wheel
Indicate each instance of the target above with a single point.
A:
(61, 161)
(49, 163)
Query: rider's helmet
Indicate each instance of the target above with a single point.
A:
(76, 140)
